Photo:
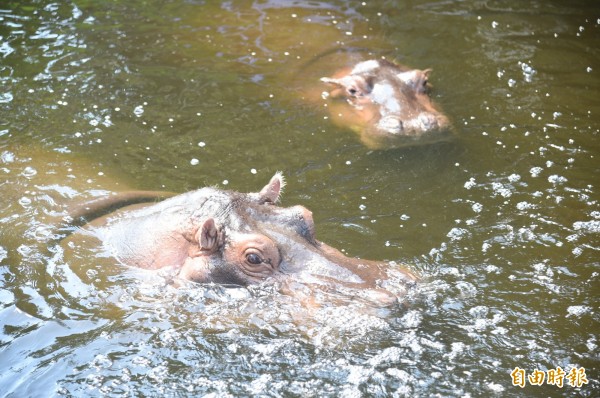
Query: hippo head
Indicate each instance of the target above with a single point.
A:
(225, 237)
(388, 103)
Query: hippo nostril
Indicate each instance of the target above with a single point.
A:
(391, 124)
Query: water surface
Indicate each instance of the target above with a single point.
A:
(502, 224)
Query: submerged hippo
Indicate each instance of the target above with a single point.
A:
(387, 104)
(225, 237)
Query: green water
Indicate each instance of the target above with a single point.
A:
(502, 223)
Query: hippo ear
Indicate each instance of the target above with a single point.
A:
(270, 193)
(331, 80)
(208, 236)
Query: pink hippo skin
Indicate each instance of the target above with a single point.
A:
(387, 104)
(212, 235)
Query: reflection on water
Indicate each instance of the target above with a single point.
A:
(503, 223)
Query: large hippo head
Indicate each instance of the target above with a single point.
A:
(225, 237)
(387, 104)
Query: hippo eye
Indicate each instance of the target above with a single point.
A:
(254, 258)
(352, 91)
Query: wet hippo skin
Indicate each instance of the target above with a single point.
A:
(217, 236)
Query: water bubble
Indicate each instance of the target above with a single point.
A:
(591, 343)
(457, 233)
(524, 206)
(470, 184)
(194, 162)
(556, 179)
(138, 110)
(535, 171)
(526, 234)
(391, 355)
(25, 201)
(467, 289)
(101, 361)
(91, 273)
(24, 250)
(6, 98)
(514, 178)
(499, 189)
(29, 172)
(578, 310)
(7, 157)
(492, 269)
(528, 71)
(587, 226)
(496, 388)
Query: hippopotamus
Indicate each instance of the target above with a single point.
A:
(217, 236)
(387, 103)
